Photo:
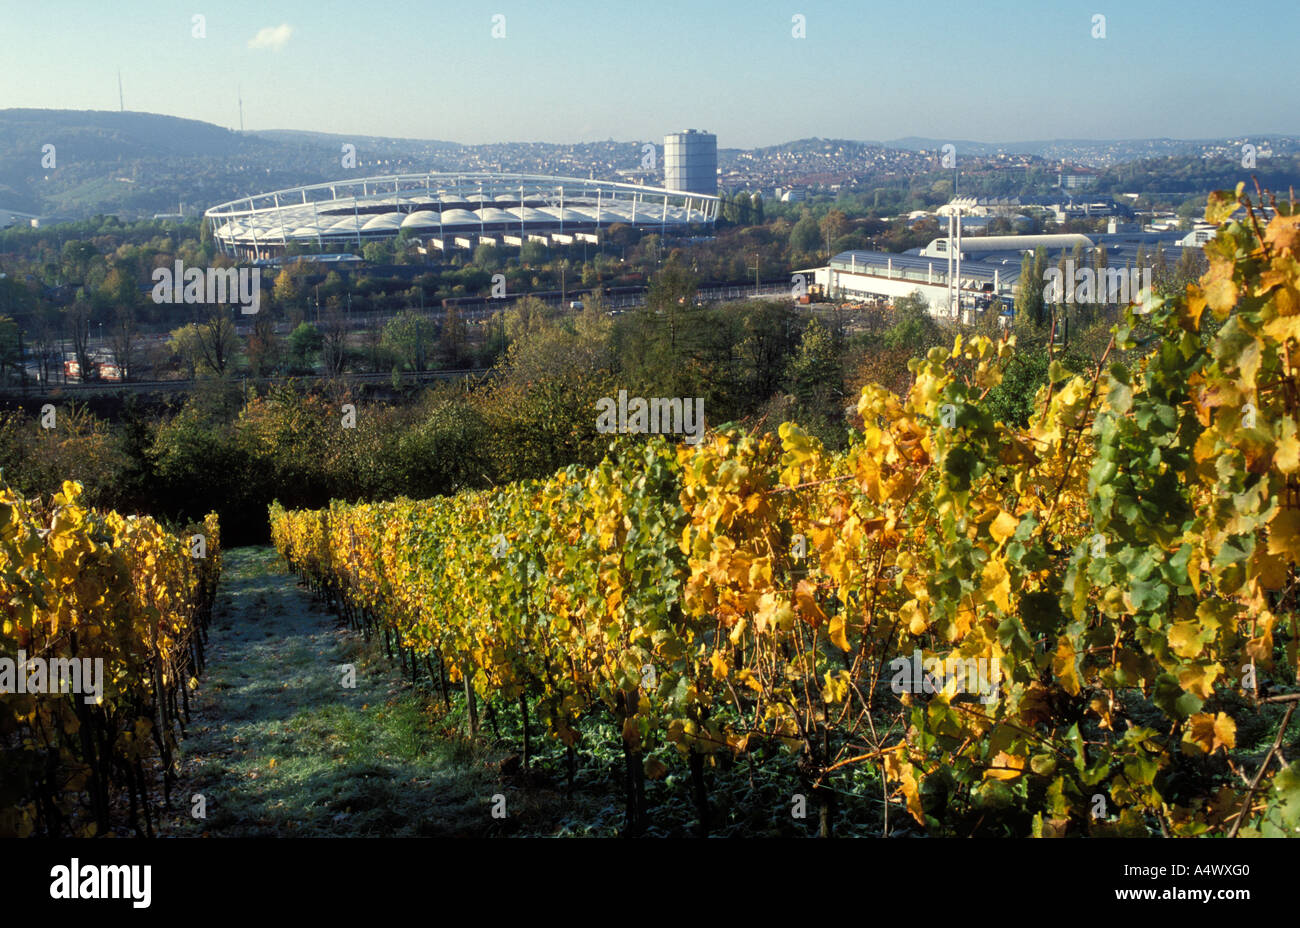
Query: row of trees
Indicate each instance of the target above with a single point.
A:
(1033, 306)
(408, 341)
(86, 296)
(233, 447)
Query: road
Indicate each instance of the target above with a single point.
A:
(153, 386)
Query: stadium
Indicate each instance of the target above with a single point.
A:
(449, 211)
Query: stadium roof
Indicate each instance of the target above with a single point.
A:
(353, 211)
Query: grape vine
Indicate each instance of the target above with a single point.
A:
(80, 584)
(1125, 564)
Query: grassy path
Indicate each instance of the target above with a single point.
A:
(277, 745)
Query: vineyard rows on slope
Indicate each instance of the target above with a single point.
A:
(119, 606)
(1124, 565)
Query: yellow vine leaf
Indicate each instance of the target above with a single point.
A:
(836, 631)
(1064, 668)
(804, 595)
(1284, 533)
(1185, 639)
(1211, 732)
(1003, 527)
(901, 771)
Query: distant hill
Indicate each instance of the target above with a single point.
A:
(137, 164)
(99, 135)
(1100, 152)
(298, 136)
(133, 163)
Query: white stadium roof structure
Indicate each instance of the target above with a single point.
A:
(446, 206)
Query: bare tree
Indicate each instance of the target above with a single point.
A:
(10, 344)
(78, 318)
(372, 342)
(334, 333)
(217, 340)
(46, 338)
(453, 338)
(124, 341)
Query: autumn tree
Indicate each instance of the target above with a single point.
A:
(216, 341)
(184, 344)
(409, 337)
(286, 291)
(833, 226)
(263, 346)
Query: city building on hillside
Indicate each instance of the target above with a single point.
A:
(1084, 209)
(1076, 178)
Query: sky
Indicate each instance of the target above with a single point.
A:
(576, 70)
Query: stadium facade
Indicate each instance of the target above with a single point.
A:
(449, 211)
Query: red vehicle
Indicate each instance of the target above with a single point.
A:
(101, 370)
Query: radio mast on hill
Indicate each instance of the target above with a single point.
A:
(121, 104)
(239, 92)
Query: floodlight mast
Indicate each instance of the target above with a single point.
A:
(948, 249)
(958, 259)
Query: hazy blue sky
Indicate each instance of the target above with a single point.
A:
(579, 70)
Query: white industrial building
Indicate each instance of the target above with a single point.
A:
(973, 246)
(974, 271)
(872, 275)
